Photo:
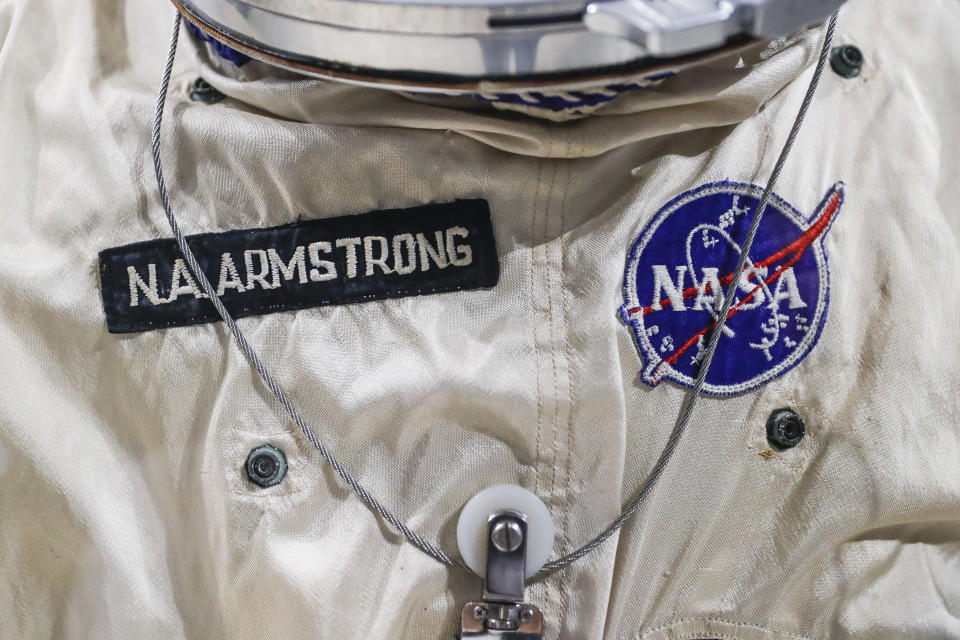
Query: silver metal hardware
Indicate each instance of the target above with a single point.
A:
(666, 28)
(506, 567)
(506, 535)
(503, 614)
(506, 623)
(470, 45)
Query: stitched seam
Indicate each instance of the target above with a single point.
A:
(745, 625)
(550, 313)
(536, 342)
(553, 587)
(566, 596)
(568, 346)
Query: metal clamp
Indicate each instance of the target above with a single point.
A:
(674, 28)
(502, 613)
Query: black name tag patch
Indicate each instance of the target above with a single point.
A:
(371, 256)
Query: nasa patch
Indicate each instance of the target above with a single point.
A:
(682, 262)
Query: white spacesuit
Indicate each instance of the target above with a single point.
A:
(457, 290)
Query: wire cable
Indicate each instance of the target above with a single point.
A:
(251, 355)
(686, 408)
(690, 400)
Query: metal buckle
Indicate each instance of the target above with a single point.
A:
(502, 613)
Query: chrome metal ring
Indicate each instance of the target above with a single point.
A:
(452, 45)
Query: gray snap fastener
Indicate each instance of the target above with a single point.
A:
(846, 61)
(203, 91)
(266, 466)
(785, 429)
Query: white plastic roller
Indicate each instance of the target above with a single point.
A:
(472, 526)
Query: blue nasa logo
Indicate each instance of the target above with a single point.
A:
(679, 267)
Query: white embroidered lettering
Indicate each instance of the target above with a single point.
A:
(747, 286)
(149, 287)
(181, 272)
(329, 269)
(351, 246)
(460, 255)
(663, 283)
(715, 297)
(381, 259)
(287, 270)
(788, 281)
(228, 268)
(344, 259)
(398, 265)
(429, 252)
(257, 276)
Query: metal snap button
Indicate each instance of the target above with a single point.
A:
(846, 61)
(785, 429)
(203, 91)
(266, 466)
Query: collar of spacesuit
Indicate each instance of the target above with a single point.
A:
(709, 92)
